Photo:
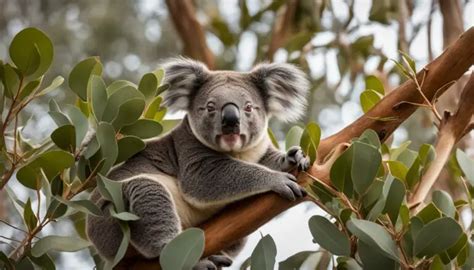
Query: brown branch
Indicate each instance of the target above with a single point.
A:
(283, 27)
(244, 217)
(451, 131)
(192, 34)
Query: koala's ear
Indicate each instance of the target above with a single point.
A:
(284, 89)
(184, 77)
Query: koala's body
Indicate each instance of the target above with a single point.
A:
(219, 153)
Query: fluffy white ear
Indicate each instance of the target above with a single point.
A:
(284, 89)
(184, 76)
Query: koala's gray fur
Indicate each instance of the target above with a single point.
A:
(183, 178)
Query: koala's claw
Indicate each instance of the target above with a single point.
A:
(205, 264)
(295, 156)
(220, 260)
(289, 189)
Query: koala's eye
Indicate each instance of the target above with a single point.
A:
(248, 107)
(210, 107)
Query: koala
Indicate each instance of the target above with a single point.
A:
(218, 154)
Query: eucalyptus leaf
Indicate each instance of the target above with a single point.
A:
(85, 206)
(263, 256)
(32, 52)
(375, 236)
(293, 137)
(80, 76)
(127, 147)
(143, 128)
(58, 243)
(329, 237)
(365, 165)
(429, 241)
(184, 251)
(444, 202)
(108, 145)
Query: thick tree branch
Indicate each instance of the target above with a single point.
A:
(183, 15)
(244, 217)
(451, 131)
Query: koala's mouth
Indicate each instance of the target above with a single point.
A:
(231, 142)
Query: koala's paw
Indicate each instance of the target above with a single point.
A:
(286, 186)
(213, 262)
(205, 264)
(220, 260)
(296, 157)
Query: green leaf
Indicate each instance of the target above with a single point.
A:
(273, 139)
(56, 209)
(340, 173)
(162, 88)
(148, 85)
(127, 147)
(373, 259)
(263, 256)
(117, 85)
(373, 83)
(365, 164)
(429, 213)
(125, 216)
(58, 243)
(295, 261)
(329, 237)
(369, 136)
(426, 154)
(454, 250)
(368, 99)
(397, 169)
(80, 76)
(160, 114)
(184, 251)
(116, 99)
(108, 145)
(112, 191)
(310, 138)
(436, 236)
(29, 88)
(65, 138)
(51, 162)
(58, 81)
(466, 164)
(44, 262)
(394, 199)
(32, 52)
(85, 206)
(98, 97)
(11, 81)
(444, 202)
(5, 262)
(402, 69)
(143, 128)
(29, 216)
(375, 236)
(153, 107)
(293, 137)
(409, 61)
(129, 112)
(79, 120)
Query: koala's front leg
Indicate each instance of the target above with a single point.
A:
(294, 158)
(221, 179)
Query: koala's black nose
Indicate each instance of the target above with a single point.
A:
(230, 119)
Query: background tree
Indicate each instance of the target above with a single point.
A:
(344, 46)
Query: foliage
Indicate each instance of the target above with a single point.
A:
(105, 127)
(369, 223)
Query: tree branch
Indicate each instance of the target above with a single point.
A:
(244, 217)
(451, 131)
(183, 15)
(283, 27)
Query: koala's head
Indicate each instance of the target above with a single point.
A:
(228, 111)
